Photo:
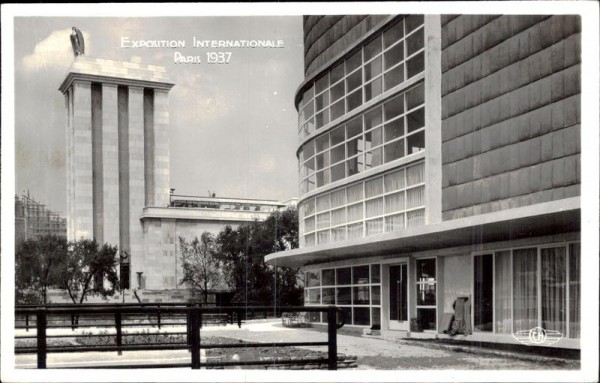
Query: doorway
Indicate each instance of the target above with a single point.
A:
(398, 296)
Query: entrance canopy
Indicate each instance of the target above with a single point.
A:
(562, 216)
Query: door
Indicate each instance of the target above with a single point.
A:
(398, 314)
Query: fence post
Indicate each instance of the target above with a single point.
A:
(239, 318)
(158, 317)
(27, 322)
(332, 337)
(118, 326)
(195, 314)
(188, 323)
(41, 337)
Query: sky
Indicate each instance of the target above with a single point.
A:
(233, 127)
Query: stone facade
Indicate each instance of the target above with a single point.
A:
(511, 111)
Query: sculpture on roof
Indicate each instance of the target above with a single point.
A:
(77, 42)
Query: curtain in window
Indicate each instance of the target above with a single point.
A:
(574, 289)
(338, 216)
(374, 207)
(415, 197)
(323, 221)
(394, 222)
(323, 236)
(355, 231)
(375, 226)
(323, 202)
(415, 218)
(525, 289)
(355, 193)
(309, 224)
(374, 187)
(554, 289)
(338, 198)
(355, 212)
(502, 294)
(394, 181)
(338, 234)
(415, 174)
(394, 202)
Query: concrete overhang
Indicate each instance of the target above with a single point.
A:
(202, 214)
(541, 219)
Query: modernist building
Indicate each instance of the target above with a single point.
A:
(439, 169)
(34, 220)
(118, 175)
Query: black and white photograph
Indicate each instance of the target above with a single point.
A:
(300, 192)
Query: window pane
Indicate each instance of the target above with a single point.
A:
(394, 223)
(415, 174)
(415, 120)
(313, 296)
(338, 171)
(355, 212)
(393, 77)
(343, 295)
(414, 42)
(483, 281)
(321, 119)
(323, 237)
(426, 318)
(338, 234)
(375, 274)
(374, 187)
(376, 317)
(308, 95)
(361, 295)
(323, 178)
(426, 294)
(337, 109)
(375, 295)
(394, 151)
(415, 142)
(337, 73)
(415, 97)
(394, 202)
(322, 100)
(354, 127)
(373, 89)
(373, 118)
(413, 22)
(353, 81)
(503, 285)
(425, 270)
(373, 48)
(394, 55)
(395, 33)
(355, 230)
(354, 62)
(415, 218)
(337, 91)
(574, 290)
(323, 203)
(323, 221)
(394, 129)
(361, 316)
(394, 181)
(415, 65)
(554, 289)
(337, 135)
(415, 197)
(373, 138)
(354, 100)
(355, 192)
(394, 108)
(309, 149)
(322, 83)
(322, 160)
(374, 226)
(354, 146)
(338, 216)
(374, 207)
(309, 224)
(374, 158)
(354, 166)
(322, 142)
(309, 207)
(360, 275)
(525, 289)
(313, 278)
(343, 276)
(337, 154)
(329, 296)
(373, 69)
(309, 240)
(309, 110)
(338, 198)
(328, 277)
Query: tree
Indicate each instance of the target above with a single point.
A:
(242, 253)
(201, 271)
(87, 268)
(37, 265)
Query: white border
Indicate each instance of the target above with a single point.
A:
(589, 189)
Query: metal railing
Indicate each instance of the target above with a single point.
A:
(120, 316)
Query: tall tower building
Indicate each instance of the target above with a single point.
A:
(117, 149)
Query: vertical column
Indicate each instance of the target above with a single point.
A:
(123, 159)
(69, 134)
(82, 160)
(136, 178)
(110, 170)
(433, 119)
(97, 160)
(161, 148)
(149, 146)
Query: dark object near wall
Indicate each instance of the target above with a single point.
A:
(415, 326)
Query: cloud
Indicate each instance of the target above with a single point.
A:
(54, 52)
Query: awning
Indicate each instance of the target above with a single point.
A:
(561, 216)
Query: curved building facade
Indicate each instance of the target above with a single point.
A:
(439, 173)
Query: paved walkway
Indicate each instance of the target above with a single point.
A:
(372, 353)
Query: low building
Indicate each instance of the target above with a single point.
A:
(34, 220)
(440, 174)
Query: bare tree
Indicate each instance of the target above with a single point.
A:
(201, 271)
